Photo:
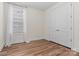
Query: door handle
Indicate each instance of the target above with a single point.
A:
(57, 30)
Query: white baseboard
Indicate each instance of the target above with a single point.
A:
(27, 41)
(77, 50)
(32, 38)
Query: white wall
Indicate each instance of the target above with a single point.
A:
(35, 24)
(1, 26)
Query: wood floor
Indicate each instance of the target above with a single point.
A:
(37, 48)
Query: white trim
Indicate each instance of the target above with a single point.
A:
(72, 26)
(77, 50)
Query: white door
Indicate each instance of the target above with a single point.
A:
(62, 27)
(16, 28)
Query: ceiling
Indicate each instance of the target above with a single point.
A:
(37, 5)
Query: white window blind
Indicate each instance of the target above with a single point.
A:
(18, 20)
(16, 24)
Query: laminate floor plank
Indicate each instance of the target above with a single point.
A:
(37, 48)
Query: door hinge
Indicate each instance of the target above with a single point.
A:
(71, 16)
(71, 4)
(70, 40)
(71, 28)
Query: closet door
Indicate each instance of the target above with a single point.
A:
(63, 30)
(60, 24)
